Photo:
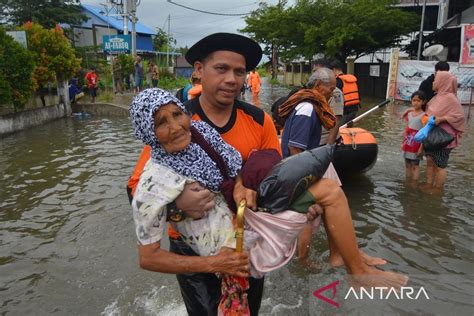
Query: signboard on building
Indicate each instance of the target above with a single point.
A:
(412, 72)
(374, 70)
(467, 45)
(19, 36)
(116, 43)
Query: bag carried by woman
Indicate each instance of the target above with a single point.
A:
(437, 138)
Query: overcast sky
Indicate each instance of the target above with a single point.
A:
(187, 26)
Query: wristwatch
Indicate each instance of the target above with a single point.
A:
(174, 214)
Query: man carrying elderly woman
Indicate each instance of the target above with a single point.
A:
(185, 177)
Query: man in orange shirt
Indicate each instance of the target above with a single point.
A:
(221, 60)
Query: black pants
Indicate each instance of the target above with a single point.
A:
(350, 113)
(202, 291)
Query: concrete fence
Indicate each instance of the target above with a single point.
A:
(13, 122)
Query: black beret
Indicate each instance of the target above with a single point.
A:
(226, 41)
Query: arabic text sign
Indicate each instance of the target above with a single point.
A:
(116, 43)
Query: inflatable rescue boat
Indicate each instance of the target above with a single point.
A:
(356, 153)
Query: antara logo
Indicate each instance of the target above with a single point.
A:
(332, 286)
(384, 293)
(387, 292)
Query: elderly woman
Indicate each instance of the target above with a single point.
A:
(449, 114)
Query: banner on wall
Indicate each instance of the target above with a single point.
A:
(467, 44)
(392, 73)
(412, 72)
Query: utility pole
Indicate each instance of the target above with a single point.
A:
(133, 11)
(125, 17)
(420, 40)
(168, 45)
(134, 34)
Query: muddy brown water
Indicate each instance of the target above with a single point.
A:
(67, 238)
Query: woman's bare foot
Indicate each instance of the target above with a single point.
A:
(335, 260)
(374, 277)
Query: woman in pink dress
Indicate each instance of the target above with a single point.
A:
(449, 114)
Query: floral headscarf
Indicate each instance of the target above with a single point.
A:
(192, 162)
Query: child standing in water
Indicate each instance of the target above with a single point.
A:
(412, 151)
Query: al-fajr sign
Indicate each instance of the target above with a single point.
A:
(116, 43)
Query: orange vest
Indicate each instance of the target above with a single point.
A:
(350, 90)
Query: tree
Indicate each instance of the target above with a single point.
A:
(126, 64)
(183, 50)
(265, 26)
(161, 40)
(48, 13)
(16, 67)
(54, 56)
(336, 28)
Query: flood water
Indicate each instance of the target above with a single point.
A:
(68, 247)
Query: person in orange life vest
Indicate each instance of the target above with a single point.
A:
(92, 80)
(221, 60)
(254, 82)
(348, 84)
(196, 89)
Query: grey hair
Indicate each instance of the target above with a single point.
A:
(322, 74)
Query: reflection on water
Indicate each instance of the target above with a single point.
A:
(68, 243)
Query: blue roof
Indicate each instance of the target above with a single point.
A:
(116, 22)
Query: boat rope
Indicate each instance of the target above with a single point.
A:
(353, 136)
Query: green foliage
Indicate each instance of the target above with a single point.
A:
(274, 81)
(161, 40)
(336, 28)
(183, 50)
(47, 13)
(16, 67)
(53, 54)
(169, 81)
(262, 72)
(126, 64)
(106, 96)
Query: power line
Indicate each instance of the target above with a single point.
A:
(208, 12)
(177, 17)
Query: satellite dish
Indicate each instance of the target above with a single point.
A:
(432, 50)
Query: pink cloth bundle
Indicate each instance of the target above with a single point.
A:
(277, 239)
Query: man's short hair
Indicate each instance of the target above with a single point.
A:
(322, 74)
(442, 66)
(322, 62)
(336, 64)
